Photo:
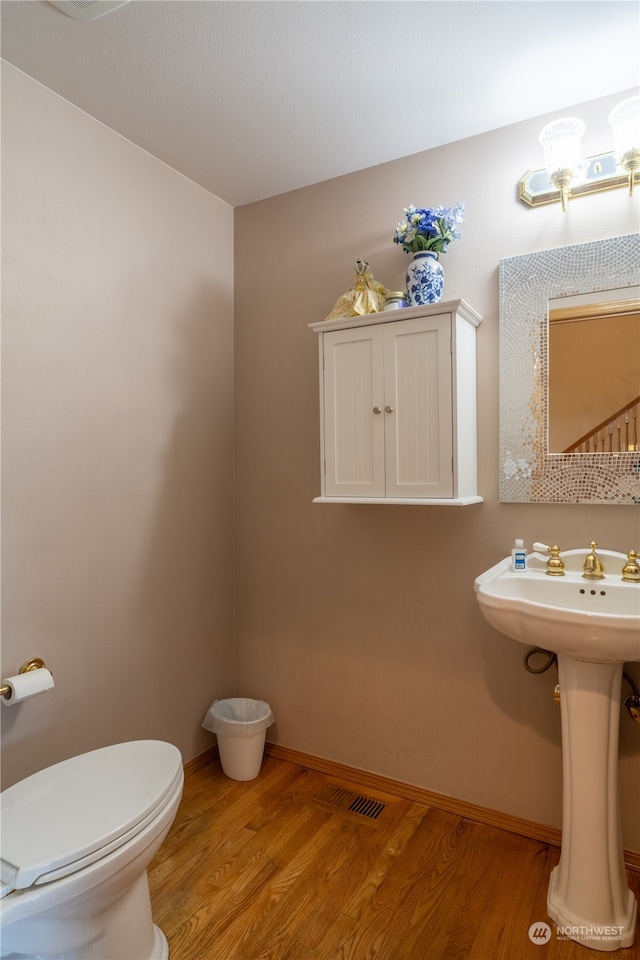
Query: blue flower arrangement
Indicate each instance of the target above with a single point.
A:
(432, 229)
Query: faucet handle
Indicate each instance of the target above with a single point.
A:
(555, 565)
(631, 569)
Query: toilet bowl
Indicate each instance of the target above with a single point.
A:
(77, 839)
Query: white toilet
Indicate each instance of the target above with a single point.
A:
(77, 838)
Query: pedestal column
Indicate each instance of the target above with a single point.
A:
(589, 898)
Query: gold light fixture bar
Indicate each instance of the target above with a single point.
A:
(600, 173)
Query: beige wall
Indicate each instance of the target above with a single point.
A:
(117, 436)
(359, 623)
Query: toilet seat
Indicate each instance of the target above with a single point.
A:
(71, 814)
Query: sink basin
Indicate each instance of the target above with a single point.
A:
(594, 628)
(597, 620)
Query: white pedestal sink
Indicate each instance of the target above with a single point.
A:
(594, 628)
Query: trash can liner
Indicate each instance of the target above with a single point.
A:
(238, 717)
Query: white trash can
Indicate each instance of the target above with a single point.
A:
(241, 728)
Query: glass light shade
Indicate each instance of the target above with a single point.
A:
(561, 141)
(625, 120)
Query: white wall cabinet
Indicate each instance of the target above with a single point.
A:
(398, 406)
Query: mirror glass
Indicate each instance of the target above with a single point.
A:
(591, 383)
(594, 372)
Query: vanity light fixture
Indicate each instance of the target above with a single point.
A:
(567, 175)
(561, 141)
(625, 120)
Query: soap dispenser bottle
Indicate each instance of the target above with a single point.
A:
(519, 556)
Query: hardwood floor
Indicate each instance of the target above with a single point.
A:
(279, 868)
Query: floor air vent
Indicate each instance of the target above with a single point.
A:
(353, 803)
(367, 807)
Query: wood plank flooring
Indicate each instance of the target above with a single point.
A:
(279, 868)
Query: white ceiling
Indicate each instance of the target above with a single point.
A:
(252, 98)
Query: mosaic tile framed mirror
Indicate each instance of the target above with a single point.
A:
(551, 360)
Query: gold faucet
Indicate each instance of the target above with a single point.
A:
(555, 566)
(631, 569)
(593, 568)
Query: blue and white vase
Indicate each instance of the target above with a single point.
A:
(425, 279)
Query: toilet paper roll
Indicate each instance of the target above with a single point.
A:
(27, 685)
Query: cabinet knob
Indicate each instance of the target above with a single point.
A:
(377, 410)
(389, 408)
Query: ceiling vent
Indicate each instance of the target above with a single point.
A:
(87, 9)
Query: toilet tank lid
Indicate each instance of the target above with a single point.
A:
(75, 808)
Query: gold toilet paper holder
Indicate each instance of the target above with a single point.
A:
(36, 663)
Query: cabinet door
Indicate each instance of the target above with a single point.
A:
(418, 407)
(353, 430)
